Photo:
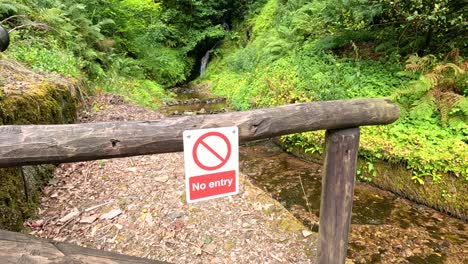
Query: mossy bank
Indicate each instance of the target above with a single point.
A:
(28, 97)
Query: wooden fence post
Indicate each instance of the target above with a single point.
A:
(337, 194)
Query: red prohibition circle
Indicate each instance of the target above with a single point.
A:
(201, 142)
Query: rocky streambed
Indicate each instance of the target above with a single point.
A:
(385, 227)
(193, 100)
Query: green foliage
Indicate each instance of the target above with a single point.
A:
(403, 26)
(144, 92)
(243, 61)
(134, 47)
(352, 15)
(306, 20)
(288, 61)
(164, 65)
(296, 51)
(46, 57)
(9, 8)
(369, 168)
(264, 20)
(426, 149)
(306, 142)
(437, 96)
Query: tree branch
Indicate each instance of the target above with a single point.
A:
(36, 25)
(12, 17)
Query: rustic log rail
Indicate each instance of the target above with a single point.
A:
(39, 144)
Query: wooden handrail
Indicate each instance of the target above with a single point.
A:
(39, 144)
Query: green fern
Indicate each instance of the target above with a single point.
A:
(423, 109)
(436, 92)
(9, 8)
(458, 116)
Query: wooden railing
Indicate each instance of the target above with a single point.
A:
(39, 144)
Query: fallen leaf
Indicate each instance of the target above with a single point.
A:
(69, 216)
(37, 223)
(207, 240)
(93, 231)
(161, 179)
(276, 257)
(306, 233)
(169, 234)
(53, 181)
(211, 248)
(407, 253)
(112, 214)
(88, 219)
(175, 215)
(149, 220)
(132, 169)
(97, 206)
(59, 239)
(178, 225)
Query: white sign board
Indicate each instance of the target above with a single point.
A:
(211, 159)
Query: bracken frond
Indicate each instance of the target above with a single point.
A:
(441, 68)
(416, 63)
(445, 101)
(434, 78)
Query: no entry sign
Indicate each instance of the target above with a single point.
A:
(211, 158)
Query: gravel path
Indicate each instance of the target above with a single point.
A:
(136, 206)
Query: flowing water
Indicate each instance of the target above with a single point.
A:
(385, 227)
(204, 62)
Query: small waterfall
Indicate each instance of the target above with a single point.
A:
(204, 62)
(225, 26)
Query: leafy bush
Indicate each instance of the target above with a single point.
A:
(46, 57)
(405, 26)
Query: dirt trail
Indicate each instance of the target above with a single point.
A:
(136, 206)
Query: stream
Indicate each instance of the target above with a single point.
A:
(385, 227)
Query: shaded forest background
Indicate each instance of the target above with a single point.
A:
(272, 52)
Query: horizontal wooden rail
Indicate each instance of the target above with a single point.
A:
(37, 144)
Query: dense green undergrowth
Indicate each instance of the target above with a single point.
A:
(302, 51)
(136, 48)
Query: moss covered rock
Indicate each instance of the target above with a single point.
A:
(28, 97)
